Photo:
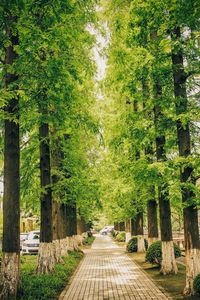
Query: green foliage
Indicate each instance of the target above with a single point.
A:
(43, 287)
(55, 86)
(136, 62)
(154, 253)
(88, 240)
(114, 233)
(132, 245)
(121, 236)
(196, 284)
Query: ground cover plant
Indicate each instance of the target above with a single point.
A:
(154, 253)
(46, 286)
(120, 237)
(88, 240)
(132, 245)
(174, 285)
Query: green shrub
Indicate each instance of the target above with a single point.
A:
(121, 236)
(132, 245)
(88, 240)
(114, 233)
(154, 253)
(48, 286)
(196, 284)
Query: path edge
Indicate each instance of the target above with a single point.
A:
(62, 294)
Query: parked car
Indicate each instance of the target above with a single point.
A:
(106, 230)
(31, 244)
(23, 237)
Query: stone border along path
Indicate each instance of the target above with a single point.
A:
(106, 272)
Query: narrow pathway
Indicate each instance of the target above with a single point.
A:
(106, 272)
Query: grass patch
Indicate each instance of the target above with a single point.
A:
(43, 287)
(173, 284)
(88, 241)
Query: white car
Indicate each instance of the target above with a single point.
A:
(23, 237)
(106, 230)
(31, 244)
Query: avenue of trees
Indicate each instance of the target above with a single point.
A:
(150, 123)
(68, 153)
(49, 128)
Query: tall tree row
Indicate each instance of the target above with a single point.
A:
(153, 60)
(47, 94)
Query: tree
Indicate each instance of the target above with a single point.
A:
(11, 202)
(190, 212)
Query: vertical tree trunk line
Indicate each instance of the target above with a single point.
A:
(58, 218)
(11, 203)
(190, 213)
(121, 226)
(46, 255)
(152, 219)
(139, 215)
(128, 230)
(168, 265)
(81, 225)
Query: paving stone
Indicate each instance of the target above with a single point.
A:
(107, 273)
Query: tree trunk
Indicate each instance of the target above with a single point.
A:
(115, 226)
(46, 255)
(122, 226)
(152, 221)
(133, 227)
(57, 161)
(11, 202)
(71, 228)
(63, 229)
(56, 230)
(128, 230)
(191, 230)
(81, 225)
(151, 205)
(140, 232)
(168, 265)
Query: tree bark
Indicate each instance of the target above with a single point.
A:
(56, 230)
(71, 228)
(121, 226)
(81, 225)
(152, 221)
(190, 215)
(151, 206)
(128, 230)
(71, 219)
(133, 227)
(46, 255)
(168, 265)
(11, 202)
(115, 226)
(140, 232)
(63, 229)
(57, 162)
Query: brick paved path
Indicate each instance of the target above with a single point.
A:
(107, 272)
